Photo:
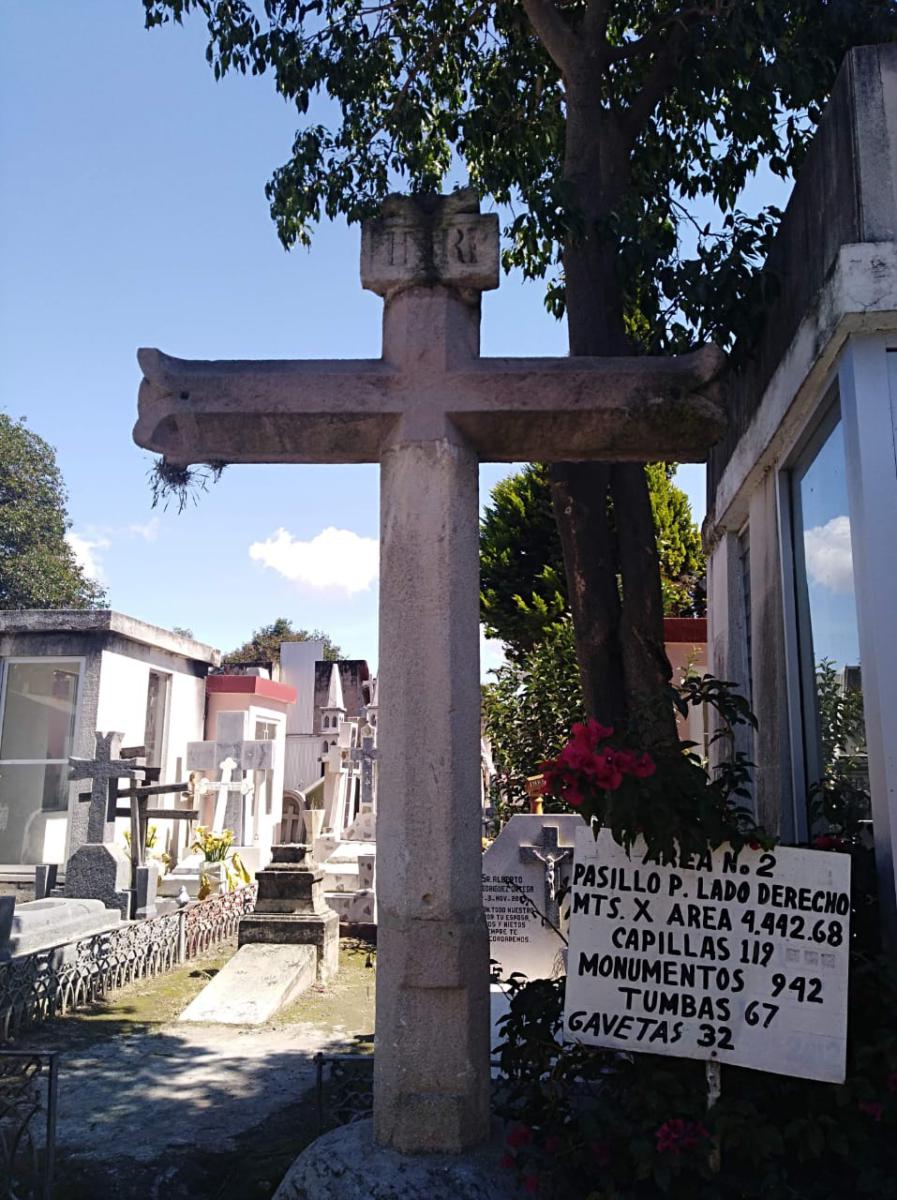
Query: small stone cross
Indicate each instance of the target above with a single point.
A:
(552, 856)
(367, 755)
(429, 410)
(104, 771)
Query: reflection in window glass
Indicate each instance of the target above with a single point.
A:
(834, 729)
(39, 704)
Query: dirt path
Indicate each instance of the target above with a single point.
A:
(152, 1108)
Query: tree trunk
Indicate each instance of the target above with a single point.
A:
(619, 633)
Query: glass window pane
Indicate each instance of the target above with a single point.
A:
(829, 640)
(39, 710)
(33, 811)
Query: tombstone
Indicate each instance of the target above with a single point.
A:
(526, 871)
(146, 885)
(7, 912)
(45, 876)
(101, 872)
(290, 909)
(428, 410)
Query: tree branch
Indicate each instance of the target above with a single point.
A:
(554, 33)
(594, 24)
(658, 81)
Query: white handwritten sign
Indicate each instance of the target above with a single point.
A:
(737, 958)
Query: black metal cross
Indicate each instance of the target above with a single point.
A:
(552, 856)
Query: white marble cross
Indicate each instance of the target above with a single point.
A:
(229, 752)
(428, 411)
(104, 771)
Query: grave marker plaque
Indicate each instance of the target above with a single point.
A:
(734, 959)
(527, 868)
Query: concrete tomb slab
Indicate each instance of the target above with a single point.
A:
(54, 921)
(258, 981)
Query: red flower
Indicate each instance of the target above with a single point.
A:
(872, 1108)
(552, 1144)
(753, 844)
(677, 1135)
(520, 1135)
(644, 766)
(830, 841)
(601, 1153)
(531, 1184)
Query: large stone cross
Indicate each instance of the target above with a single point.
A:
(552, 856)
(104, 771)
(428, 410)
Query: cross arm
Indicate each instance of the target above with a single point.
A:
(569, 409)
(328, 410)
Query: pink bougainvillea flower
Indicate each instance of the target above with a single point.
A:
(872, 1108)
(677, 1135)
(645, 767)
(520, 1135)
(601, 1153)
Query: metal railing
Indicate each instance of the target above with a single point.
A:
(28, 1084)
(49, 983)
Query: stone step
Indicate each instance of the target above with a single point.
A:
(340, 877)
(348, 852)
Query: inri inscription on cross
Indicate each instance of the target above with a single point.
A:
(428, 410)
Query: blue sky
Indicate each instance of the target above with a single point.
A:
(132, 212)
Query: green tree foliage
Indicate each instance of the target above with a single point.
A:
(37, 566)
(522, 580)
(528, 711)
(700, 93)
(264, 645)
(620, 136)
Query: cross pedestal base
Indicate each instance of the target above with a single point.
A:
(347, 1164)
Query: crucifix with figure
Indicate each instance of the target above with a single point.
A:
(552, 856)
(429, 410)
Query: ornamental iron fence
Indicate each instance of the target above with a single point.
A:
(27, 1124)
(49, 983)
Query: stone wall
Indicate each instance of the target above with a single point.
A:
(845, 193)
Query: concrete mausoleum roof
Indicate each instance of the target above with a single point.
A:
(105, 620)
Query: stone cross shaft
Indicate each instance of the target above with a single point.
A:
(428, 411)
(104, 771)
(552, 856)
(367, 755)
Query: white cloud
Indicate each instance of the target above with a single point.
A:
(334, 558)
(87, 553)
(828, 555)
(149, 532)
